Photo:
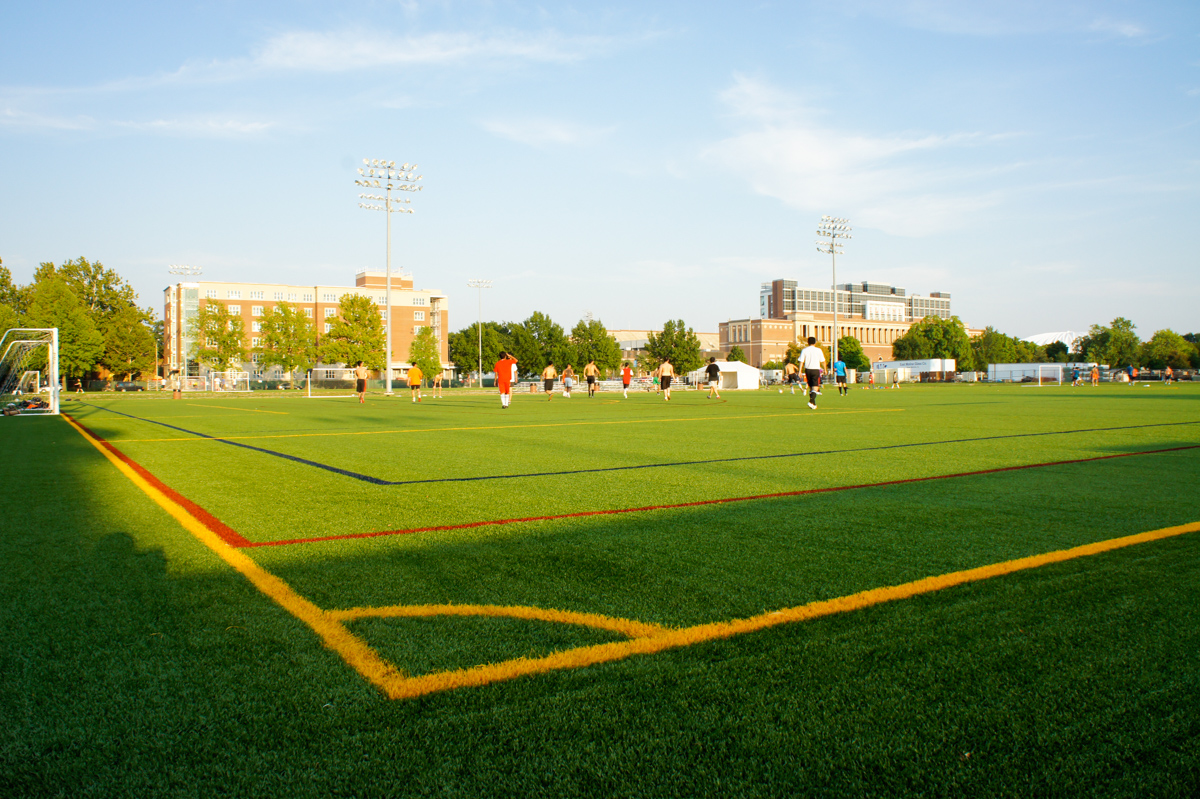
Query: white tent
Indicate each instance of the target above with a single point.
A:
(734, 375)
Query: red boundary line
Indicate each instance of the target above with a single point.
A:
(698, 503)
(226, 533)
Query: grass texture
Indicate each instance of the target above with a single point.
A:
(136, 662)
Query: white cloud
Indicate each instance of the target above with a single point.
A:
(883, 181)
(16, 118)
(541, 132)
(1128, 30)
(200, 127)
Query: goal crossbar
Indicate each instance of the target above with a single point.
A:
(19, 347)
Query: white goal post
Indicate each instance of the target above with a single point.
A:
(233, 380)
(1053, 371)
(26, 354)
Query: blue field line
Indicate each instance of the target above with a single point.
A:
(366, 478)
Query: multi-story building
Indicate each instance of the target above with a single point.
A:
(411, 310)
(874, 313)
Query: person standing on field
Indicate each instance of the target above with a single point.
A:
(504, 373)
(666, 373)
(626, 378)
(568, 381)
(437, 384)
(591, 373)
(548, 375)
(1095, 376)
(712, 373)
(811, 359)
(839, 375)
(415, 376)
(360, 381)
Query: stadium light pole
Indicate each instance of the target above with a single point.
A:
(833, 228)
(379, 174)
(481, 285)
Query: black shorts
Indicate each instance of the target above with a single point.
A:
(548, 385)
(841, 378)
(793, 378)
(360, 386)
(625, 383)
(813, 376)
(665, 380)
(591, 379)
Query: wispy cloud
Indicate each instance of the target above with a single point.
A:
(1121, 28)
(540, 132)
(16, 118)
(201, 127)
(886, 181)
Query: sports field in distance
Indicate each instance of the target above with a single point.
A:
(941, 590)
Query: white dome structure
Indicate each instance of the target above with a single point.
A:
(1068, 337)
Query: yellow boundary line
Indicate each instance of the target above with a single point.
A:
(240, 410)
(649, 639)
(806, 414)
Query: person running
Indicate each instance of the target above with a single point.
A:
(655, 378)
(712, 373)
(1075, 377)
(1169, 375)
(895, 378)
(839, 376)
(591, 373)
(666, 372)
(360, 382)
(626, 378)
(1095, 376)
(437, 384)
(791, 375)
(415, 376)
(1133, 373)
(78, 386)
(548, 375)
(504, 372)
(871, 379)
(811, 359)
(568, 380)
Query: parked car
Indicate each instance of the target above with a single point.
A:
(129, 385)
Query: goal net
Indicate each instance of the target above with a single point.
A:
(1049, 373)
(330, 381)
(26, 354)
(229, 381)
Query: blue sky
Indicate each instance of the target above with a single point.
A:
(642, 161)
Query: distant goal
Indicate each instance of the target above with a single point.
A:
(229, 381)
(29, 371)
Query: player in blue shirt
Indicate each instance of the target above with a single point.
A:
(839, 373)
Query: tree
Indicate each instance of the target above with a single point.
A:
(992, 346)
(1123, 343)
(678, 343)
(217, 338)
(10, 295)
(736, 354)
(128, 342)
(934, 337)
(590, 341)
(288, 339)
(356, 334)
(851, 352)
(101, 290)
(424, 353)
(1167, 348)
(793, 353)
(464, 347)
(537, 341)
(1057, 352)
(51, 304)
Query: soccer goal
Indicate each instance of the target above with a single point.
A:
(230, 381)
(26, 355)
(323, 381)
(1049, 373)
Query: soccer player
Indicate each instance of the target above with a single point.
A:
(626, 378)
(504, 372)
(548, 375)
(360, 381)
(1095, 375)
(791, 375)
(712, 373)
(568, 381)
(1169, 375)
(437, 384)
(839, 375)
(1075, 377)
(665, 373)
(591, 373)
(811, 359)
(415, 377)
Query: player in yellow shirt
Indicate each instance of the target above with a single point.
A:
(414, 382)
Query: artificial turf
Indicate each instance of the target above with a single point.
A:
(137, 663)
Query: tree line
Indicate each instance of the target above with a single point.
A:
(539, 340)
(1116, 345)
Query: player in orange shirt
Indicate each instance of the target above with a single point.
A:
(626, 378)
(415, 376)
(504, 371)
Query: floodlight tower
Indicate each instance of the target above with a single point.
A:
(833, 228)
(481, 285)
(378, 174)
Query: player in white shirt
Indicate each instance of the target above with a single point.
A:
(811, 359)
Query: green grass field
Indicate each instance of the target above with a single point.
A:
(602, 596)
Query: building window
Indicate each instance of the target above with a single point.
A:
(208, 342)
(328, 298)
(328, 327)
(308, 312)
(255, 342)
(233, 294)
(417, 329)
(419, 316)
(381, 301)
(235, 310)
(330, 312)
(419, 300)
(256, 295)
(291, 296)
(210, 294)
(308, 298)
(278, 296)
(256, 310)
(256, 327)
(383, 313)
